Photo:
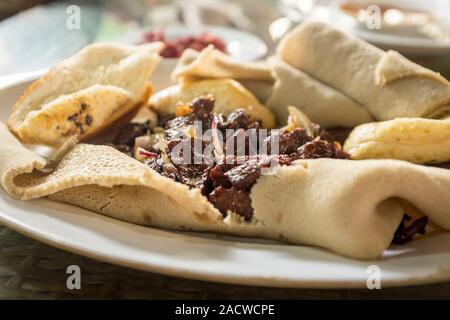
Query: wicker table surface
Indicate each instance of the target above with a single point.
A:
(32, 270)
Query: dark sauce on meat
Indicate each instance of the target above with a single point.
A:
(406, 233)
(227, 183)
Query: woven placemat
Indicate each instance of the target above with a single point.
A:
(32, 270)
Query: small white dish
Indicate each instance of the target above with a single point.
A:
(240, 45)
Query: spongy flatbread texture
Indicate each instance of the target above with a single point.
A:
(322, 104)
(415, 140)
(386, 83)
(350, 207)
(278, 85)
(211, 63)
(82, 94)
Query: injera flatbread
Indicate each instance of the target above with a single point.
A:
(349, 207)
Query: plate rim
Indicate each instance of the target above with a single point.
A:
(269, 282)
(275, 282)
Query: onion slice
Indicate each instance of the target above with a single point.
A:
(146, 154)
(218, 150)
(299, 119)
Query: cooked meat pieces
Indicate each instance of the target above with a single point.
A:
(131, 131)
(232, 200)
(406, 233)
(227, 182)
(244, 176)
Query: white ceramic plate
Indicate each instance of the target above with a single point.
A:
(240, 45)
(212, 257)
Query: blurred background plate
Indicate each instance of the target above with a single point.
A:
(38, 37)
(408, 26)
(412, 27)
